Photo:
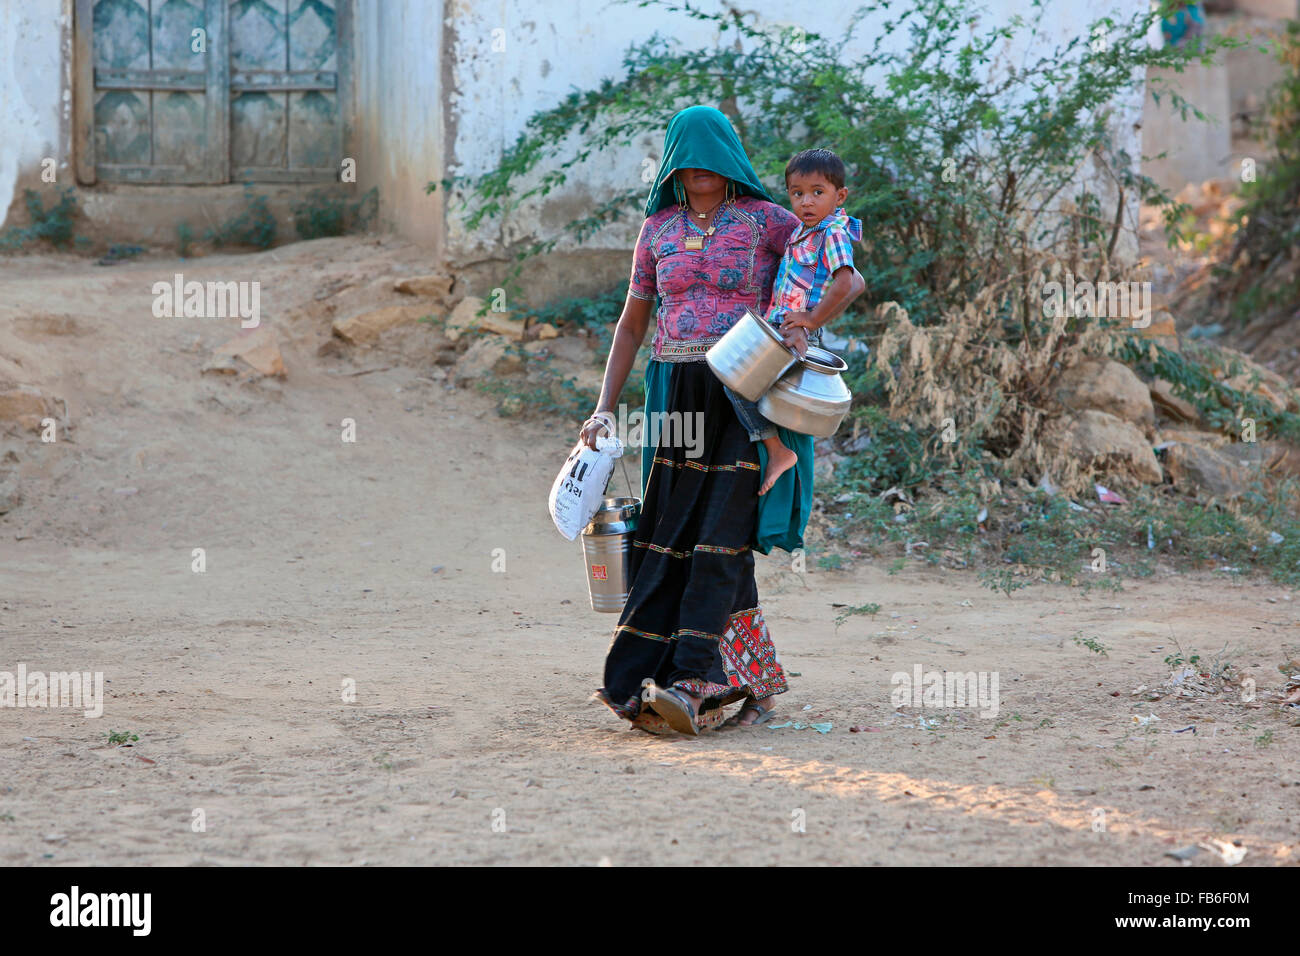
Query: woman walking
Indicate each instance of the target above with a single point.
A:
(691, 637)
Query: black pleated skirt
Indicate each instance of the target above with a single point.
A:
(692, 616)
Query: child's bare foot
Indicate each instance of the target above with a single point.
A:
(779, 460)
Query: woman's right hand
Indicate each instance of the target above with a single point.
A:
(628, 335)
(592, 429)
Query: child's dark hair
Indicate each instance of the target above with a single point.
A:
(817, 161)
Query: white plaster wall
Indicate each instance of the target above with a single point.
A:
(35, 101)
(435, 93)
(1194, 150)
(552, 47)
(400, 114)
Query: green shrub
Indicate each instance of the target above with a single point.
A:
(325, 213)
(53, 225)
(253, 226)
(1221, 406)
(584, 312)
(1028, 535)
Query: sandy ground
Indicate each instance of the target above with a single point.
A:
(472, 738)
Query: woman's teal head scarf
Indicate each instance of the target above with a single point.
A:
(700, 137)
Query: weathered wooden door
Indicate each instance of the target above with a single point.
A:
(210, 91)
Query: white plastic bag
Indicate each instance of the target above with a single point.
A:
(580, 486)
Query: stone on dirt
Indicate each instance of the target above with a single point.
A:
(365, 328)
(489, 355)
(1170, 405)
(1192, 436)
(1201, 468)
(256, 347)
(1101, 438)
(1107, 386)
(24, 407)
(1162, 330)
(437, 286)
(220, 365)
(498, 323)
(463, 317)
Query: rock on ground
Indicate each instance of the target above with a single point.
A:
(1107, 386)
(1200, 468)
(1192, 436)
(257, 347)
(365, 328)
(1101, 439)
(436, 286)
(465, 318)
(1171, 405)
(489, 355)
(24, 407)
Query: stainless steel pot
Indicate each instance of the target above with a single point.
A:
(811, 398)
(606, 543)
(750, 357)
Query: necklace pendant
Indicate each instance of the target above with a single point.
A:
(694, 243)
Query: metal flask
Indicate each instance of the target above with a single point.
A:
(606, 544)
(811, 398)
(750, 357)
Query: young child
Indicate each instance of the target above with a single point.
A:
(814, 278)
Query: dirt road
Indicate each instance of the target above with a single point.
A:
(472, 738)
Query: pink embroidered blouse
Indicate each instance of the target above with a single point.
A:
(703, 293)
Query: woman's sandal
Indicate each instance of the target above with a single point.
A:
(674, 707)
(764, 715)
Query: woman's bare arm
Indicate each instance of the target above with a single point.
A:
(628, 336)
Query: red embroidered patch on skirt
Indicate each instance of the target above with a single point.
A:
(749, 657)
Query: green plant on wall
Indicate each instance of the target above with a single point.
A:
(54, 224)
(253, 226)
(325, 213)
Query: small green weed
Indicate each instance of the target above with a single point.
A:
(869, 609)
(1092, 644)
(830, 562)
(1179, 659)
(1002, 579)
